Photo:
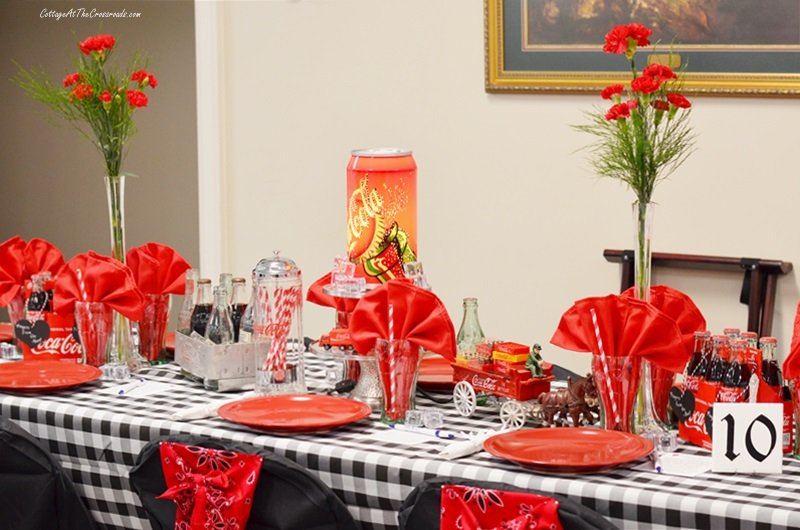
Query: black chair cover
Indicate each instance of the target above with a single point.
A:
(287, 497)
(35, 493)
(421, 509)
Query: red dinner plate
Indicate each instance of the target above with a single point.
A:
(295, 412)
(435, 373)
(38, 376)
(6, 332)
(569, 449)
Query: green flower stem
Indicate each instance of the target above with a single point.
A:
(115, 192)
(643, 261)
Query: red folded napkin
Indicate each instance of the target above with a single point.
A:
(12, 269)
(791, 365)
(417, 316)
(211, 488)
(316, 296)
(158, 269)
(42, 256)
(679, 307)
(104, 280)
(627, 327)
(471, 508)
(19, 261)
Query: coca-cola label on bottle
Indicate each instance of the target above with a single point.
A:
(60, 345)
(731, 394)
(693, 382)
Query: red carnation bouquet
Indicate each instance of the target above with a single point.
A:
(644, 135)
(97, 99)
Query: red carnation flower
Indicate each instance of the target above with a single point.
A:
(611, 90)
(659, 70)
(640, 34)
(632, 104)
(144, 77)
(620, 110)
(138, 76)
(98, 43)
(71, 79)
(659, 104)
(645, 84)
(81, 91)
(618, 40)
(679, 101)
(137, 98)
(105, 97)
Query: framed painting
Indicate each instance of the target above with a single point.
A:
(741, 47)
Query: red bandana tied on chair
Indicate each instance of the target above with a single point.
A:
(470, 508)
(212, 488)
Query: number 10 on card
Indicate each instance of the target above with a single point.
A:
(747, 438)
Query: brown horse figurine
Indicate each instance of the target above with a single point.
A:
(577, 401)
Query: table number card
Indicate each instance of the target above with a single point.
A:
(747, 438)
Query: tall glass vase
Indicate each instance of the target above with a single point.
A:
(122, 356)
(645, 418)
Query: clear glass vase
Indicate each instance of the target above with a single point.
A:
(645, 418)
(122, 348)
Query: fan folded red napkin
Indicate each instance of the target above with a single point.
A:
(628, 327)
(679, 307)
(20, 260)
(471, 508)
(315, 295)
(101, 279)
(417, 315)
(212, 488)
(791, 365)
(158, 269)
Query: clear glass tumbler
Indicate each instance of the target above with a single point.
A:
(398, 367)
(93, 320)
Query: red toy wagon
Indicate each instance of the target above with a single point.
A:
(515, 388)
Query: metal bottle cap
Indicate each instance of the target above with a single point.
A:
(380, 152)
(276, 267)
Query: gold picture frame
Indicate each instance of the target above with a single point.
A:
(514, 65)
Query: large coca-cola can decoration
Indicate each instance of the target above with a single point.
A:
(381, 212)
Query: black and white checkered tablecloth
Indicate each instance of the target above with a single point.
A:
(98, 435)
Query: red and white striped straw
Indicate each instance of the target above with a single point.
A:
(604, 361)
(285, 300)
(391, 322)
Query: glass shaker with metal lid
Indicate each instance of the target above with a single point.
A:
(278, 317)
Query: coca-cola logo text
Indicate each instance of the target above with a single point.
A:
(484, 383)
(697, 422)
(65, 345)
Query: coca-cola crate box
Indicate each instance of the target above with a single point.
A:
(59, 343)
(694, 410)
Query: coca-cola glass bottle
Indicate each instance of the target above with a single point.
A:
(770, 371)
(238, 304)
(202, 309)
(718, 365)
(470, 333)
(701, 357)
(219, 328)
(226, 282)
(187, 308)
(248, 316)
(737, 376)
(39, 301)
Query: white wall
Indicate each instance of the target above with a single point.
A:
(508, 211)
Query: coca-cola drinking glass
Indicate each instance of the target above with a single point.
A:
(153, 326)
(617, 380)
(93, 320)
(398, 366)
